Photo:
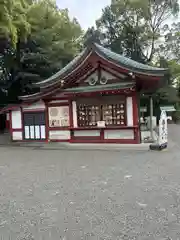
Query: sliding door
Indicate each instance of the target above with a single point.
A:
(34, 126)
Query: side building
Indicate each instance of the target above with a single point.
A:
(94, 99)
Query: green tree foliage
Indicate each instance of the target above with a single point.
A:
(13, 20)
(37, 39)
(132, 27)
(53, 41)
(169, 49)
(14, 28)
(35, 52)
(92, 35)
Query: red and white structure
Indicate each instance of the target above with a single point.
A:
(94, 99)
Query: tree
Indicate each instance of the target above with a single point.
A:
(14, 28)
(170, 50)
(135, 28)
(13, 21)
(170, 47)
(36, 55)
(132, 27)
(52, 43)
(92, 35)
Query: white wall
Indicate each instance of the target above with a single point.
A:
(35, 106)
(88, 133)
(129, 107)
(74, 110)
(16, 119)
(59, 135)
(119, 134)
(17, 136)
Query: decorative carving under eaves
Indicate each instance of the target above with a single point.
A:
(103, 80)
(93, 81)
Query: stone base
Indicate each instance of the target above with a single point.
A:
(146, 136)
(157, 147)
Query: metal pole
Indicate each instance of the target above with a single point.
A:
(151, 115)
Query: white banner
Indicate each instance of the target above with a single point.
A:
(163, 129)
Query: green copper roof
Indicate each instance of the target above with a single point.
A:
(127, 62)
(121, 61)
(114, 86)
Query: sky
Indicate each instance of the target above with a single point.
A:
(86, 11)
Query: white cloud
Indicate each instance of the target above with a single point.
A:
(86, 11)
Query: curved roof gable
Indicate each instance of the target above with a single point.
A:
(108, 55)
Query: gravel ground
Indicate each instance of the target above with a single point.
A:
(90, 195)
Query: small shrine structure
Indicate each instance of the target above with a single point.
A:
(94, 99)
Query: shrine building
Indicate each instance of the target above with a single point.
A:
(94, 99)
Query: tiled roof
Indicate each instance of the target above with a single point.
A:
(8, 107)
(118, 59)
(127, 62)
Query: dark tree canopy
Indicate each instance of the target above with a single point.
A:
(37, 39)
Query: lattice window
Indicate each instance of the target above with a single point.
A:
(112, 113)
(88, 115)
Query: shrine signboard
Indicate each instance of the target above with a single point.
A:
(59, 116)
(163, 130)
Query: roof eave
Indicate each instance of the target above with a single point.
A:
(160, 72)
(58, 77)
(31, 96)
